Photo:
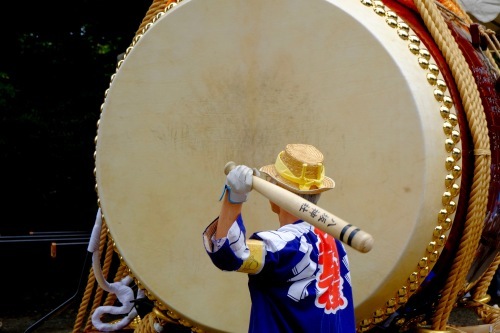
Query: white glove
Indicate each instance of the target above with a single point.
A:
(239, 183)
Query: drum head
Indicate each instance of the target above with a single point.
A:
(214, 81)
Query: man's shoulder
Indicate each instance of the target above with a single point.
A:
(278, 239)
(288, 231)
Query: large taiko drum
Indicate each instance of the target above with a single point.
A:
(213, 81)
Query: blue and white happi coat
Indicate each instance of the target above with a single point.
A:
(299, 278)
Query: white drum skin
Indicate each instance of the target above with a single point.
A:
(214, 81)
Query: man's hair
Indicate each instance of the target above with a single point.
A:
(314, 198)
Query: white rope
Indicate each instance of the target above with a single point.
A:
(123, 292)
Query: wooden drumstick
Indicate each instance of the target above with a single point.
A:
(309, 212)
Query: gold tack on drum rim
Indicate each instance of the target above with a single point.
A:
(432, 79)
(414, 39)
(445, 112)
(447, 224)
(438, 231)
(441, 85)
(447, 101)
(447, 128)
(449, 144)
(414, 48)
(424, 63)
(449, 163)
(404, 26)
(161, 316)
(392, 15)
(392, 22)
(439, 95)
(425, 54)
(434, 69)
(403, 34)
(457, 154)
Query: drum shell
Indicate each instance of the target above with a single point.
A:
(114, 199)
(419, 307)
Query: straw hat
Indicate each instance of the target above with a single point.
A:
(299, 168)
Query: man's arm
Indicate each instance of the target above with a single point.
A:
(228, 214)
(225, 237)
(238, 184)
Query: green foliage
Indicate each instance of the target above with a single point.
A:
(54, 70)
(7, 91)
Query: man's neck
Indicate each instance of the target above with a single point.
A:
(286, 218)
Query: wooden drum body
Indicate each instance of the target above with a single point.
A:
(213, 81)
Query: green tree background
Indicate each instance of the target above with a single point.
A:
(56, 61)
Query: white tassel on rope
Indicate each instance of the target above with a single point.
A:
(123, 292)
(484, 10)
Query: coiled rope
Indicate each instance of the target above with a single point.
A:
(473, 107)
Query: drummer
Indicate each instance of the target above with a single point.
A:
(299, 278)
